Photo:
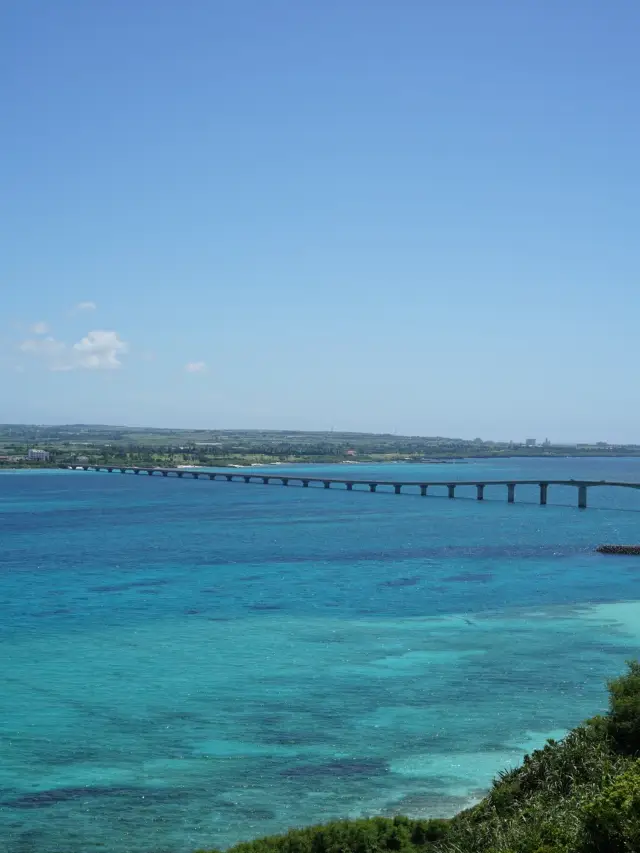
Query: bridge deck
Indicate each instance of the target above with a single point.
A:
(273, 475)
(284, 478)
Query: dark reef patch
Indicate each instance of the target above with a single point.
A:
(40, 799)
(402, 582)
(122, 587)
(346, 767)
(61, 611)
(54, 796)
(470, 577)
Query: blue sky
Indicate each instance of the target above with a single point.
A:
(418, 216)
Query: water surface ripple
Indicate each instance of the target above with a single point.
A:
(188, 663)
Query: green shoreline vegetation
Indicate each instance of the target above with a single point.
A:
(86, 444)
(577, 795)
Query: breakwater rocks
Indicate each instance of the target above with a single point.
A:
(618, 549)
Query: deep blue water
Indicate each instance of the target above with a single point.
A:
(188, 664)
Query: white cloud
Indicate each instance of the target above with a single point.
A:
(84, 306)
(99, 350)
(39, 328)
(195, 367)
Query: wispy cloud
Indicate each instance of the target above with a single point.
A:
(39, 328)
(98, 350)
(48, 350)
(195, 367)
(84, 306)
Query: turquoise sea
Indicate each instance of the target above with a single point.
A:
(188, 663)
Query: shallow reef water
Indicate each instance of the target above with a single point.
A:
(188, 663)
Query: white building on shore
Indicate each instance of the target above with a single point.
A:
(35, 455)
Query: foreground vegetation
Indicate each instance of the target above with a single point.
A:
(579, 795)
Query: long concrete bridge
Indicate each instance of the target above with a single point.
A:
(581, 486)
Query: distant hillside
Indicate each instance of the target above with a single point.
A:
(216, 448)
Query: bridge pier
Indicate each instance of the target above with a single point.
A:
(480, 491)
(543, 493)
(327, 484)
(265, 481)
(136, 471)
(305, 484)
(397, 488)
(373, 487)
(349, 487)
(423, 490)
(511, 492)
(582, 497)
(451, 490)
(285, 481)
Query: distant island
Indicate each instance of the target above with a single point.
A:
(30, 446)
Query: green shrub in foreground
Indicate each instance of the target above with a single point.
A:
(624, 710)
(612, 819)
(366, 835)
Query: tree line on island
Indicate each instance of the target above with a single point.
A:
(75, 444)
